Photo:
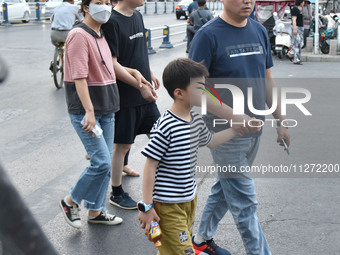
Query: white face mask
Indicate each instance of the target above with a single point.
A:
(100, 12)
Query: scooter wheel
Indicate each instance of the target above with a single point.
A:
(279, 54)
(325, 48)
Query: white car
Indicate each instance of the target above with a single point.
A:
(17, 10)
(48, 9)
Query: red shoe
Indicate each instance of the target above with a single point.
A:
(209, 248)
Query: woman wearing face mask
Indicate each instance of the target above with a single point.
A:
(92, 98)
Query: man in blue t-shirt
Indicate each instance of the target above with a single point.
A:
(192, 7)
(236, 48)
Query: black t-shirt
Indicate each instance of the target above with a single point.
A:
(299, 17)
(127, 41)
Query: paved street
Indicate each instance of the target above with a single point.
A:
(299, 213)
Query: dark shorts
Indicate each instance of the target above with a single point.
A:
(133, 121)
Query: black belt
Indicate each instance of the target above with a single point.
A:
(56, 29)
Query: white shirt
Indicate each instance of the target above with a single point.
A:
(64, 16)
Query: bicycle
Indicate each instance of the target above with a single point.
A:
(57, 66)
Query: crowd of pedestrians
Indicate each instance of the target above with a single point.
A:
(109, 85)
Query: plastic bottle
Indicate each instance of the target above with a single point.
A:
(155, 234)
(96, 130)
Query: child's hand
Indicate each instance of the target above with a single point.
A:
(255, 125)
(145, 219)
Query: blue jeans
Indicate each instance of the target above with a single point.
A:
(93, 183)
(235, 194)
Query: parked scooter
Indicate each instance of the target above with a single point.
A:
(327, 35)
(283, 39)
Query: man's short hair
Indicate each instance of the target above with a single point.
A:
(201, 2)
(298, 2)
(177, 74)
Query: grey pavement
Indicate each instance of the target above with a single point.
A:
(43, 156)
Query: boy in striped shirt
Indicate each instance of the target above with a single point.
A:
(169, 187)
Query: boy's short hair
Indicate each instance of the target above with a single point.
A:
(177, 74)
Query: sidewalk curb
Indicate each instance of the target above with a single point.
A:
(311, 57)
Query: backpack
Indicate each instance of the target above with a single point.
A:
(203, 21)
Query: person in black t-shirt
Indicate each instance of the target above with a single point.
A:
(125, 34)
(298, 29)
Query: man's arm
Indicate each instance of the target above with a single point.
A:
(282, 132)
(228, 134)
(155, 80)
(224, 112)
(145, 218)
(122, 74)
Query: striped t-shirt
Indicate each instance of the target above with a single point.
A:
(174, 143)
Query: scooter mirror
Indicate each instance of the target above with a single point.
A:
(275, 16)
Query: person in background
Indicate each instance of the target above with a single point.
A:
(298, 32)
(196, 20)
(192, 6)
(63, 19)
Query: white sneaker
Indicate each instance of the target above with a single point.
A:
(105, 218)
(71, 214)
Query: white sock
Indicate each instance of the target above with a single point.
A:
(65, 200)
(198, 239)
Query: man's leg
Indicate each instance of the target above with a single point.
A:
(119, 197)
(238, 196)
(119, 152)
(190, 35)
(214, 210)
(241, 197)
(125, 132)
(127, 169)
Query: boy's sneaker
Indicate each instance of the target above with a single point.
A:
(71, 214)
(105, 218)
(123, 201)
(209, 248)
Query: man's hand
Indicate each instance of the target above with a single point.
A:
(155, 80)
(140, 78)
(145, 219)
(242, 127)
(148, 93)
(283, 133)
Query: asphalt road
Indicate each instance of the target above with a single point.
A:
(43, 156)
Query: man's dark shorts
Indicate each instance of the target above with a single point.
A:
(133, 121)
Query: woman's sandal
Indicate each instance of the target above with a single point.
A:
(129, 171)
(298, 63)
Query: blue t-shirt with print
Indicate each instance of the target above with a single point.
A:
(240, 55)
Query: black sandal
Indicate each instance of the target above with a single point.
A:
(298, 63)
